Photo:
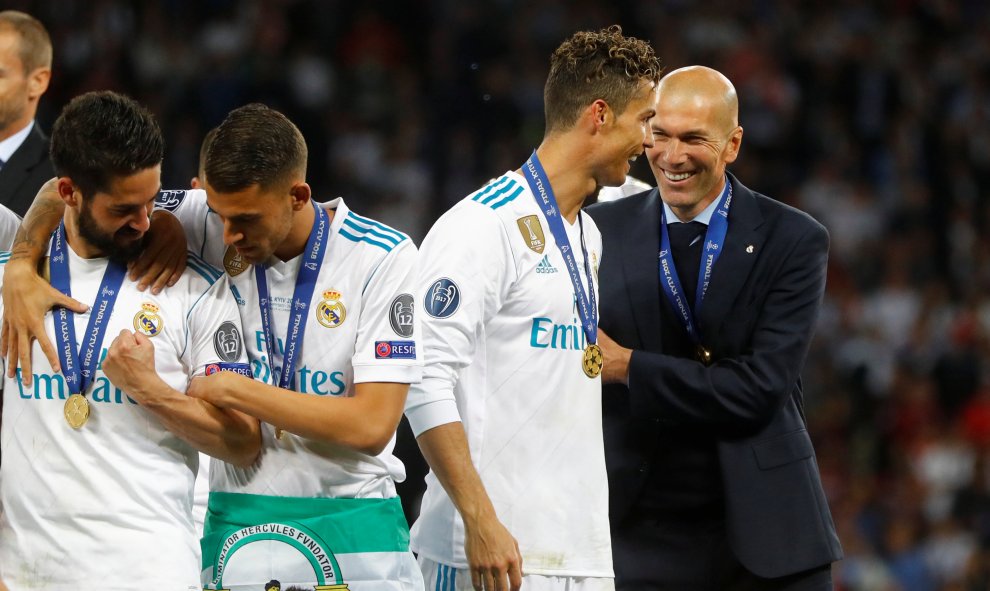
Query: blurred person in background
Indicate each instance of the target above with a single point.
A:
(25, 70)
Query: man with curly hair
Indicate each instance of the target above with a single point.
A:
(508, 286)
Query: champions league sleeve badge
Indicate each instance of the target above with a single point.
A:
(400, 315)
(227, 342)
(331, 311)
(147, 321)
(442, 299)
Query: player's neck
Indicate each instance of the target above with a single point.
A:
(295, 242)
(571, 185)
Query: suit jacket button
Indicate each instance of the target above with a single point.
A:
(643, 468)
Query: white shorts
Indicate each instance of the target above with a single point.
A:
(440, 577)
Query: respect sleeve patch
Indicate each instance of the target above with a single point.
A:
(395, 349)
(243, 369)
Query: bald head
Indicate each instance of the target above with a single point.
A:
(703, 89)
(696, 134)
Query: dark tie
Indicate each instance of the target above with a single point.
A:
(686, 241)
(1, 163)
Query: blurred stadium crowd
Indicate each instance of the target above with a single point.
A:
(872, 116)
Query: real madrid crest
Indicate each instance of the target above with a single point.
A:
(233, 262)
(148, 321)
(331, 312)
(532, 233)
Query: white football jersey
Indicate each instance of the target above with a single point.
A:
(361, 327)
(502, 337)
(108, 506)
(9, 222)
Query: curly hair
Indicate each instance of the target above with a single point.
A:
(596, 65)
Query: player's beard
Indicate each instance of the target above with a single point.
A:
(123, 246)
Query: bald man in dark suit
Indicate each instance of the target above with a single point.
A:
(709, 297)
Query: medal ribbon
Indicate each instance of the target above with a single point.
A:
(301, 298)
(539, 184)
(671, 283)
(79, 377)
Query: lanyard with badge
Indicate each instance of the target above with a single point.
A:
(714, 241)
(302, 295)
(539, 184)
(80, 376)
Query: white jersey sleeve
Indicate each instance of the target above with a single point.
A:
(198, 221)
(465, 275)
(385, 349)
(9, 222)
(215, 334)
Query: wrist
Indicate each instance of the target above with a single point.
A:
(152, 392)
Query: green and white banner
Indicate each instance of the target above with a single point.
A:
(263, 543)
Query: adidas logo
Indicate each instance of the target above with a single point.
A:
(544, 266)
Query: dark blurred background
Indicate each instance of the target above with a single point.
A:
(872, 116)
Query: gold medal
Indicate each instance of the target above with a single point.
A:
(76, 410)
(704, 355)
(592, 361)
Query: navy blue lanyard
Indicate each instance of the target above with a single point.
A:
(714, 241)
(539, 184)
(80, 377)
(309, 271)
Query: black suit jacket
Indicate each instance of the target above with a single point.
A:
(25, 172)
(757, 318)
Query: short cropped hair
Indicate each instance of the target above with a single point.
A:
(596, 65)
(203, 149)
(35, 47)
(255, 145)
(103, 135)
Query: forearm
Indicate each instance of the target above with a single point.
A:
(446, 451)
(37, 226)
(364, 422)
(221, 433)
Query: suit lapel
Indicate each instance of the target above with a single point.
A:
(640, 245)
(743, 244)
(26, 156)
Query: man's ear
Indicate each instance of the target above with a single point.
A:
(68, 192)
(38, 82)
(301, 193)
(600, 113)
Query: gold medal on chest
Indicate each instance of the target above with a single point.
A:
(592, 361)
(76, 410)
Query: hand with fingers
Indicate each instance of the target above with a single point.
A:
(493, 555)
(163, 258)
(27, 297)
(130, 365)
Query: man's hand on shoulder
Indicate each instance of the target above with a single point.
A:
(163, 259)
(27, 297)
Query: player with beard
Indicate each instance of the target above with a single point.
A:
(99, 461)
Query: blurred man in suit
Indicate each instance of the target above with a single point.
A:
(25, 69)
(711, 293)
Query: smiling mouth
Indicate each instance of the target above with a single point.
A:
(680, 176)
